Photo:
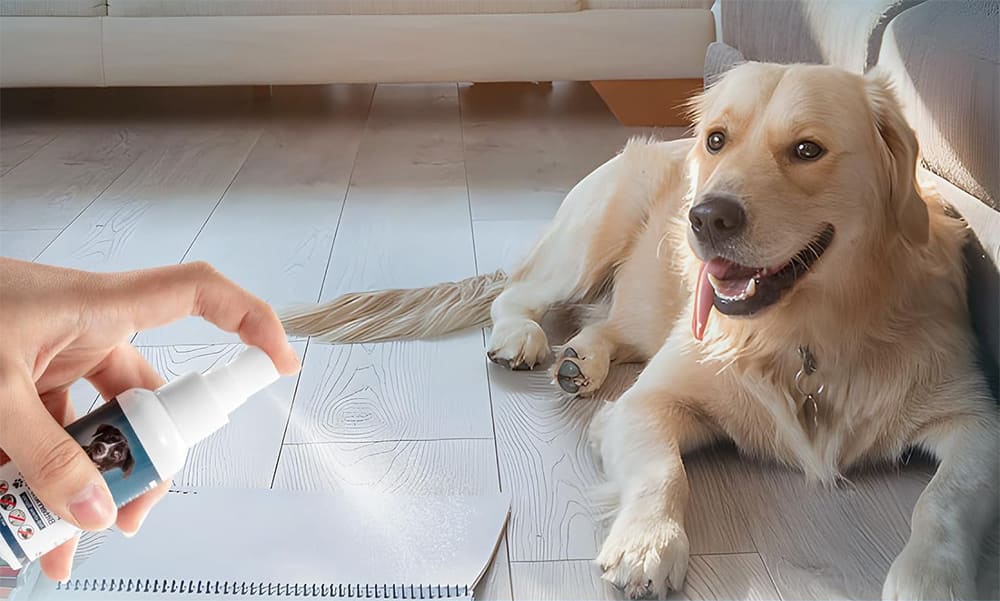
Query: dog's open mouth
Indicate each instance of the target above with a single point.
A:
(736, 289)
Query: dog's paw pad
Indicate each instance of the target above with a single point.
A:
(569, 369)
(568, 385)
(569, 376)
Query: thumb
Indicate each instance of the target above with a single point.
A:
(53, 464)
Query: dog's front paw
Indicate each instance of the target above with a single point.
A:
(580, 372)
(645, 558)
(518, 344)
(932, 572)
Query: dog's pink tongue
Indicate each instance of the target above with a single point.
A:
(704, 296)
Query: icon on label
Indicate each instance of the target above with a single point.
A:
(16, 518)
(3, 486)
(25, 532)
(8, 502)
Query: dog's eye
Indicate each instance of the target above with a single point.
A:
(715, 141)
(808, 151)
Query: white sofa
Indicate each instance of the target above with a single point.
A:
(49, 43)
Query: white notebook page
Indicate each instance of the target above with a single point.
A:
(287, 539)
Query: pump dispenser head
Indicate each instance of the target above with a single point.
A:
(200, 404)
(247, 374)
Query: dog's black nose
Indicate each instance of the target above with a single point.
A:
(717, 218)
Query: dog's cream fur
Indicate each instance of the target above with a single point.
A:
(883, 311)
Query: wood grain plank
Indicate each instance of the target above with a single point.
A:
(393, 391)
(273, 230)
(152, 213)
(412, 467)
(406, 220)
(739, 576)
(527, 145)
(709, 577)
(576, 580)
(49, 189)
(820, 543)
(18, 143)
(25, 244)
(908, 481)
(503, 244)
(716, 521)
(546, 464)
(244, 453)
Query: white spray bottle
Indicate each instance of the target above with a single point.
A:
(136, 440)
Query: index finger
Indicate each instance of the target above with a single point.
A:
(156, 297)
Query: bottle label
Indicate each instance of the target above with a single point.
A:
(29, 528)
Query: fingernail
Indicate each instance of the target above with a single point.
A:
(131, 533)
(93, 506)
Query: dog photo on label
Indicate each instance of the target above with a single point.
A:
(109, 449)
(791, 290)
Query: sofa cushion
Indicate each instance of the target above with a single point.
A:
(719, 58)
(615, 4)
(217, 8)
(944, 57)
(189, 8)
(53, 8)
(847, 34)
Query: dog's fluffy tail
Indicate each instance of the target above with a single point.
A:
(401, 314)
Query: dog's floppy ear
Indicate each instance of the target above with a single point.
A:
(899, 151)
(104, 429)
(128, 464)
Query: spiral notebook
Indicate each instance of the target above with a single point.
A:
(275, 544)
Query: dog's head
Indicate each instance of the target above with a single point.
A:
(110, 449)
(798, 174)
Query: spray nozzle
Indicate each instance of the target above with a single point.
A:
(247, 374)
(200, 404)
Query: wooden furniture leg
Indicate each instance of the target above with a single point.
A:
(648, 102)
(262, 93)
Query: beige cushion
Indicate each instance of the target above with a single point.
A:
(221, 8)
(226, 8)
(53, 8)
(614, 4)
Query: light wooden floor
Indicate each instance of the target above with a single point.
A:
(325, 190)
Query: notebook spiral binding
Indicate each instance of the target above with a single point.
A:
(269, 589)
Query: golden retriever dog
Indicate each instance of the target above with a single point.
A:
(792, 291)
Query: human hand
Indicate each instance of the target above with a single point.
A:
(59, 325)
